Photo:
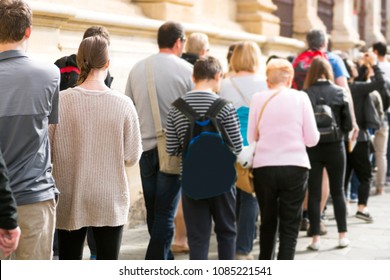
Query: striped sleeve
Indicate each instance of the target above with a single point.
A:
(175, 133)
(229, 120)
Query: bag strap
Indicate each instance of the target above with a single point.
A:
(216, 107)
(186, 109)
(239, 91)
(262, 111)
(310, 94)
(212, 113)
(153, 96)
(190, 113)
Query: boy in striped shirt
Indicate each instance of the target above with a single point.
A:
(198, 213)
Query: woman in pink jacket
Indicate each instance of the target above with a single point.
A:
(281, 164)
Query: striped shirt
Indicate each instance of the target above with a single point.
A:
(177, 122)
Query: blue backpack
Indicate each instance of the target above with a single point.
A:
(208, 160)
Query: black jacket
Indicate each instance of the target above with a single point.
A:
(189, 57)
(335, 97)
(8, 214)
(361, 95)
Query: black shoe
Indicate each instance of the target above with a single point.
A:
(323, 230)
(364, 216)
(304, 224)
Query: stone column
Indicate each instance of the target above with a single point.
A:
(387, 35)
(306, 18)
(373, 22)
(344, 35)
(176, 10)
(256, 17)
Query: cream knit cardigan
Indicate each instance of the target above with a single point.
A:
(97, 134)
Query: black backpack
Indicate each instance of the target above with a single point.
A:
(207, 157)
(70, 72)
(325, 119)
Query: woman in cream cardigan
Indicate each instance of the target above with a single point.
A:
(97, 136)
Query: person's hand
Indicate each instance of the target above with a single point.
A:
(9, 240)
(355, 131)
(370, 59)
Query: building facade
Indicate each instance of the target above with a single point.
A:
(278, 26)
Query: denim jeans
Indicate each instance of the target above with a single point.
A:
(280, 191)
(246, 223)
(161, 195)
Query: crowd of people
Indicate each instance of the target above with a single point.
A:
(315, 123)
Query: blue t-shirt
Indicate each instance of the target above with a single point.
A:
(338, 66)
(243, 115)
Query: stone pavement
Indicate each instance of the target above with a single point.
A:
(368, 241)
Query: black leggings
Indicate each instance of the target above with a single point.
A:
(108, 242)
(359, 161)
(332, 157)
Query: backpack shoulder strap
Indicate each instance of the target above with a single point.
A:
(191, 115)
(216, 107)
(212, 113)
(185, 108)
(310, 95)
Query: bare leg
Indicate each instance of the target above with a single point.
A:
(179, 244)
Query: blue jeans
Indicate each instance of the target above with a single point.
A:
(246, 223)
(161, 195)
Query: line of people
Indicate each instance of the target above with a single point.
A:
(66, 163)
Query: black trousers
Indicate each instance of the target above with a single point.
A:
(359, 161)
(108, 242)
(199, 214)
(280, 191)
(332, 157)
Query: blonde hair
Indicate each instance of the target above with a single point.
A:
(246, 57)
(279, 71)
(197, 43)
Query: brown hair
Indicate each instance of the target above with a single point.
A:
(245, 57)
(319, 68)
(97, 31)
(15, 18)
(279, 71)
(205, 68)
(92, 54)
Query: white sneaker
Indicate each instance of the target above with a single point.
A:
(344, 242)
(315, 246)
(244, 257)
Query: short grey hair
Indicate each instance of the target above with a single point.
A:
(196, 43)
(316, 39)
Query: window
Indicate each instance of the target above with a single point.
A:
(285, 14)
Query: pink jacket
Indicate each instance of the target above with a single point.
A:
(286, 128)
